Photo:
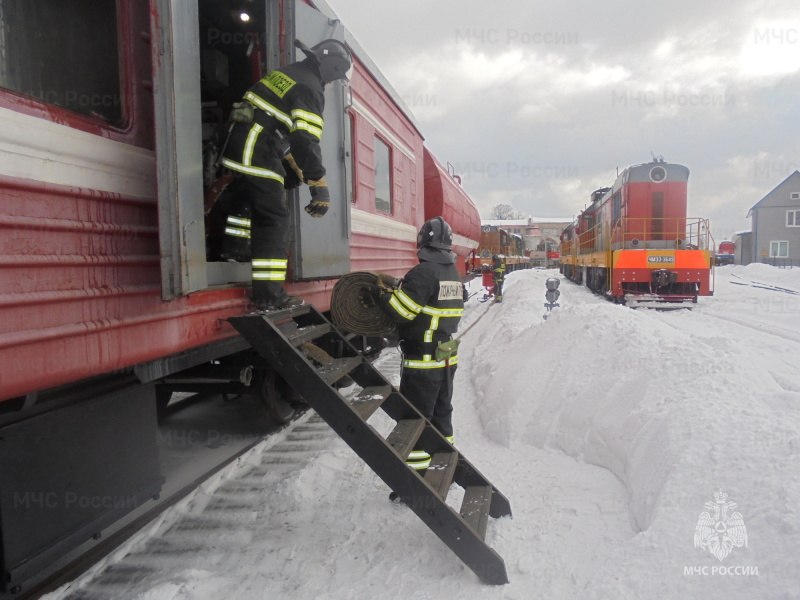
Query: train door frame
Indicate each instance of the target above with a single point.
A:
(176, 68)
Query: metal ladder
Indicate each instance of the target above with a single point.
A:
(280, 338)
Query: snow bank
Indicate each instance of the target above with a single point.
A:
(672, 405)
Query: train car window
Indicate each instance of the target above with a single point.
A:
(63, 53)
(616, 201)
(383, 178)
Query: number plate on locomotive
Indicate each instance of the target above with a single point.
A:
(661, 259)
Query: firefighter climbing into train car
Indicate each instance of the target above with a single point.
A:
(427, 307)
(274, 145)
(498, 274)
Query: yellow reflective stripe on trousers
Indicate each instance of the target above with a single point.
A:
(270, 263)
(419, 465)
(242, 233)
(418, 455)
(269, 269)
(238, 221)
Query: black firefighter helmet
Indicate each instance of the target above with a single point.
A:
(332, 57)
(435, 241)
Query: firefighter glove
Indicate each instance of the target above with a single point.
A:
(243, 112)
(320, 198)
(386, 283)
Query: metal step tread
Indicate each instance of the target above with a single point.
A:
(439, 474)
(404, 435)
(368, 400)
(307, 334)
(475, 507)
(340, 367)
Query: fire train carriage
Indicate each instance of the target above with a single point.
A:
(111, 123)
(635, 242)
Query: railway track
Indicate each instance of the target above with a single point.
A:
(199, 438)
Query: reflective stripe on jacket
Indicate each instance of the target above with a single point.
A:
(289, 105)
(427, 307)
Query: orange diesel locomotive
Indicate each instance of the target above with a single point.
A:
(634, 241)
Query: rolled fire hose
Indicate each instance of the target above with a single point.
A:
(350, 294)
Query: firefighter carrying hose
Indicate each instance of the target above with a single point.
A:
(274, 144)
(427, 307)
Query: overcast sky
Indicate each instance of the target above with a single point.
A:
(536, 104)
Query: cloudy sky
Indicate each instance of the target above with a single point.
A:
(536, 104)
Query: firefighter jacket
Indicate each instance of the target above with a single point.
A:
(427, 307)
(289, 103)
(498, 271)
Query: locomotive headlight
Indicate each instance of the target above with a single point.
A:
(658, 174)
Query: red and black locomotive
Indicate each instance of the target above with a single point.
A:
(634, 242)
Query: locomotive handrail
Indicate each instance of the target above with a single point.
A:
(687, 233)
(638, 233)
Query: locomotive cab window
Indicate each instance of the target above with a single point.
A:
(63, 53)
(383, 179)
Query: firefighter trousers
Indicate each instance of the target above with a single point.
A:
(269, 233)
(431, 393)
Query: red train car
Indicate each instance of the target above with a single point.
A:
(635, 242)
(107, 286)
(444, 196)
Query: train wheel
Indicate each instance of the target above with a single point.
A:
(277, 397)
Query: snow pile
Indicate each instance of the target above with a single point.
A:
(675, 407)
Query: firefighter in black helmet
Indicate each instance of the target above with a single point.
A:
(498, 274)
(273, 145)
(428, 307)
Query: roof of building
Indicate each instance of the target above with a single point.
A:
(772, 191)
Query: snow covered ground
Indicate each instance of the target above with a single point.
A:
(610, 430)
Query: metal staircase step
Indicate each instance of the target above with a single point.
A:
(405, 435)
(475, 507)
(440, 472)
(340, 367)
(370, 399)
(307, 334)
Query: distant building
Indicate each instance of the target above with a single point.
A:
(775, 227)
(541, 235)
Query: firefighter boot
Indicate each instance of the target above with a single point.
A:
(270, 295)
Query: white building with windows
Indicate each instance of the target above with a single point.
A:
(774, 237)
